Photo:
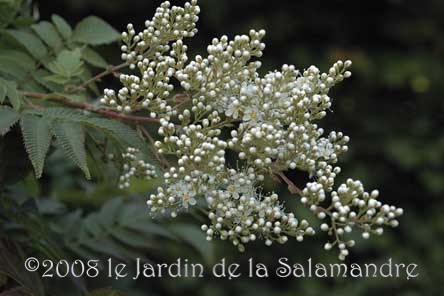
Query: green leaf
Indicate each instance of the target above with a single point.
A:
(131, 238)
(8, 11)
(106, 246)
(134, 217)
(196, 238)
(9, 68)
(37, 138)
(3, 91)
(39, 76)
(93, 30)
(12, 257)
(8, 117)
(67, 64)
(109, 211)
(76, 97)
(57, 79)
(32, 44)
(62, 26)
(93, 58)
(64, 114)
(92, 226)
(48, 33)
(15, 97)
(71, 137)
(20, 58)
(81, 251)
(118, 131)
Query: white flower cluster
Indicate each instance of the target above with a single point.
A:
(269, 122)
(350, 207)
(134, 167)
(151, 53)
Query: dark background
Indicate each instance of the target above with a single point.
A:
(391, 108)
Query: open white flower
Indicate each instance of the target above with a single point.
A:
(184, 191)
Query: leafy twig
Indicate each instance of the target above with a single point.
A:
(84, 106)
(110, 69)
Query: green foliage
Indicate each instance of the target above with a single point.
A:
(8, 117)
(116, 230)
(50, 59)
(68, 64)
(93, 58)
(9, 90)
(48, 33)
(30, 42)
(37, 138)
(92, 30)
(71, 137)
(11, 265)
(62, 26)
(113, 231)
(8, 11)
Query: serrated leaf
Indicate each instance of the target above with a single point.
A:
(93, 58)
(117, 130)
(32, 44)
(76, 97)
(11, 69)
(21, 59)
(62, 26)
(48, 33)
(71, 137)
(8, 117)
(14, 96)
(95, 31)
(64, 114)
(30, 85)
(39, 76)
(37, 138)
(3, 91)
(67, 64)
(57, 79)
